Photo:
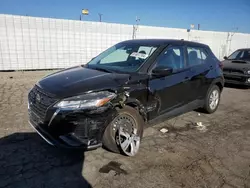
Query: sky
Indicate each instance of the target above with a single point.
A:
(214, 15)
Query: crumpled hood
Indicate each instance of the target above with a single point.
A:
(236, 65)
(78, 80)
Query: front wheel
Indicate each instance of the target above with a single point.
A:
(212, 99)
(124, 133)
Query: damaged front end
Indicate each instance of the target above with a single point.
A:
(75, 122)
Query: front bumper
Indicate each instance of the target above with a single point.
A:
(73, 129)
(233, 78)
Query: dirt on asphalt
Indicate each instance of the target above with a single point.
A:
(213, 153)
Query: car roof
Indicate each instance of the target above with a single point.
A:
(164, 42)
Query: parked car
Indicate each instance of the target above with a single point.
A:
(109, 100)
(237, 67)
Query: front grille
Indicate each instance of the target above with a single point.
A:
(234, 78)
(39, 101)
(34, 119)
(228, 70)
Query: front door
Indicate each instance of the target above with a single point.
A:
(169, 91)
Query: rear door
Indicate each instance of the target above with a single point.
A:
(169, 91)
(199, 67)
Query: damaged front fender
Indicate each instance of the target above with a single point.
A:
(134, 96)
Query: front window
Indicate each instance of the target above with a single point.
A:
(240, 55)
(172, 57)
(123, 57)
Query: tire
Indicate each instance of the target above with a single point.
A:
(111, 133)
(208, 107)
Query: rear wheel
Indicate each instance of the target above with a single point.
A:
(124, 133)
(212, 99)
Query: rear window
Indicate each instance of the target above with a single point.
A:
(196, 56)
(203, 54)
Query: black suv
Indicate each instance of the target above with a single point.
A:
(110, 99)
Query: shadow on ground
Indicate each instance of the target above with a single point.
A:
(235, 86)
(27, 161)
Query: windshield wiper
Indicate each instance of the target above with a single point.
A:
(100, 69)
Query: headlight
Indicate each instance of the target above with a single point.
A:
(248, 72)
(89, 100)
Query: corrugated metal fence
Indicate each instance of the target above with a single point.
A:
(45, 43)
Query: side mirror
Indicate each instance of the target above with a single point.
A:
(225, 57)
(162, 71)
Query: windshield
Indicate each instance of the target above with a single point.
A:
(123, 57)
(240, 55)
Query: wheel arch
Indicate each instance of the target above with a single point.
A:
(219, 82)
(219, 85)
(136, 104)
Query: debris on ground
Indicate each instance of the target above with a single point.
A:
(164, 130)
(201, 127)
(199, 124)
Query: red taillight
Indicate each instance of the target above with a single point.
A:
(220, 64)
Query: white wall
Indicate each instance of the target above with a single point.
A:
(44, 43)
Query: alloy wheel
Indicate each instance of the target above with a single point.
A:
(127, 134)
(214, 99)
